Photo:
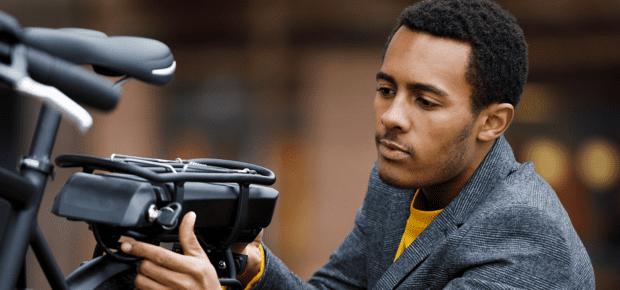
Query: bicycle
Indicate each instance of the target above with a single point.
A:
(144, 197)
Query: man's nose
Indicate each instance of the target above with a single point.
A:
(396, 117)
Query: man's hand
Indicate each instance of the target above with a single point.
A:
(164, 269)
(254, 258)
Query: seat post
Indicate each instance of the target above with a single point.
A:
(22, 221)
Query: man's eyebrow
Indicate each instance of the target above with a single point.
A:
(383, 76)
(414, 86)
(427, 88)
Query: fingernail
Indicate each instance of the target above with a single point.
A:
(192, 216)
(126, 247)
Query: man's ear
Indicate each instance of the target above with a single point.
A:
(494, 121)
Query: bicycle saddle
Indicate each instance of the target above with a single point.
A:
(145, 59)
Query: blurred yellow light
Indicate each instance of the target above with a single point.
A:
(598, 164)
(550, 158)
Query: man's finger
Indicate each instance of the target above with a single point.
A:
(158, 255)
(143, 282)
(187, 238)
(161, 275)
(154, 253)
(141, 249)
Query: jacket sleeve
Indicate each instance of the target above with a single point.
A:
(344, 270)
(520, 247)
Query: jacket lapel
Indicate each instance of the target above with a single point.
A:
(496, 165)
(398, 214)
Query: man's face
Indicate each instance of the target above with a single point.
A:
(423, 116)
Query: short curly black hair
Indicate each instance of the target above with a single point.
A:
(498, 63)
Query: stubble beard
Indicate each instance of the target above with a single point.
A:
(455, 149)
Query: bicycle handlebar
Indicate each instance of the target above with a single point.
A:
(77, 83)
(59, 101)
(10, 31)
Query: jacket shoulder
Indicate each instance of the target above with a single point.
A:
(522, 214)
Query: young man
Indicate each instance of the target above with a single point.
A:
(447, 205)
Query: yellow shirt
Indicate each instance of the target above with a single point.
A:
(417, 222)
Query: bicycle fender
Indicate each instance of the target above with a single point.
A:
(94, 273)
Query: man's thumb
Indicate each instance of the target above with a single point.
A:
(187, 238)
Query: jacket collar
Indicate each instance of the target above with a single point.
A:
(498, 163)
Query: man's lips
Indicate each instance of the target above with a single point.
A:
(393, 151)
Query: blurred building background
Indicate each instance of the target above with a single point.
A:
(289, 85)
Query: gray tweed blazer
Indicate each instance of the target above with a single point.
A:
(505, 230)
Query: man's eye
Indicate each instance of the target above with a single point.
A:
(385, 91)
(426, 104)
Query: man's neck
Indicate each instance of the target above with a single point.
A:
(440, 195)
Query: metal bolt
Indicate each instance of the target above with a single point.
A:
(153, 213)
(222, 265)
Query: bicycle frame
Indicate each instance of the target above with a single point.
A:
(22, 229)
(58, 82)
